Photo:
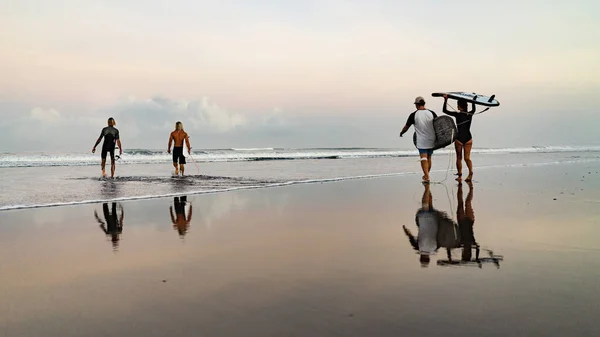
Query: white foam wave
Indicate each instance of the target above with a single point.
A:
(253, 149)
(154, 157)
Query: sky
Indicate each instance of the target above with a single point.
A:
(310, 73)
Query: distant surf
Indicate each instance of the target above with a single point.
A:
(151, 156)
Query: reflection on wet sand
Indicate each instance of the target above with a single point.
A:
(466, 219)
(110, 188)
(112, 225)
(438, 230)
(181, 223)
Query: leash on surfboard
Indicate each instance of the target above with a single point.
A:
(193, 161)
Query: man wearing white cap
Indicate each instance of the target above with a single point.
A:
(423, 121)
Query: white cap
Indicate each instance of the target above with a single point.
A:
(419, 100)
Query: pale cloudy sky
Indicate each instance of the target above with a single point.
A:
(269, 73)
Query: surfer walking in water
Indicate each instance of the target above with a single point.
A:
(178, 136)
(422, 119)
(464, 139)
(111, 137)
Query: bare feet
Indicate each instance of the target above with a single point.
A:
(459, 178)
(103, 174)
(425, 179)
(469, 177)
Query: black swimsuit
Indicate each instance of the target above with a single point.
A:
(463, 123)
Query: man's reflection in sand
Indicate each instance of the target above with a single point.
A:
(436, 230)
(112, 225)
(181, 223)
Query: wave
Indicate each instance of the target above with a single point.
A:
(150, 156)
(254, 149)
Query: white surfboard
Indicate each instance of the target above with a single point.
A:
(470, 97)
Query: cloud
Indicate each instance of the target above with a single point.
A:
(48, 116)
(159, 114)
(142, 122)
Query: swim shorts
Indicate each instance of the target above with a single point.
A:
(426, 151)
(178, 155)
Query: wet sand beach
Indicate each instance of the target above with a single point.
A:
(326, 259)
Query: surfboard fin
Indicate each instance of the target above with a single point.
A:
(491, 98)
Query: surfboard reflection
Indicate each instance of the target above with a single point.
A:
(438, 230)
(112, 225)
(181, 222)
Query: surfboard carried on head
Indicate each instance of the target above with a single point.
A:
(470, 97)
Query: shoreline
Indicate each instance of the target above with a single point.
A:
(448, 178)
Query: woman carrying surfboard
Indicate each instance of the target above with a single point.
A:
(464, 139)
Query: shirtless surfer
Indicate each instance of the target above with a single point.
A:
(464, 139)
(178, 136)
(111, 137)
(423, 121)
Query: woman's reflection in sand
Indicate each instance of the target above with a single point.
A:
(112, 225)
(181, 223)
(466, 219)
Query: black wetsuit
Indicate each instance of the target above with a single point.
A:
(110, 134)
(463, 123)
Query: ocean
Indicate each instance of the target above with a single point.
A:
(43, 179)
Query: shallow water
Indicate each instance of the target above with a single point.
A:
(326, 259)
(53, 185)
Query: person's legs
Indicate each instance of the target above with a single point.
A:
(424, 164)
(103, 165)
(468, 147)
(429, 154)
(112, 163)
(469, 204)
(182, 162)
(458, 146)
(175, 156)
(427, 199)
(460, 207)
(106, 212)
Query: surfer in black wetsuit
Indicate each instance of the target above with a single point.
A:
(111, 137)
(464, 140)
(111, 226)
